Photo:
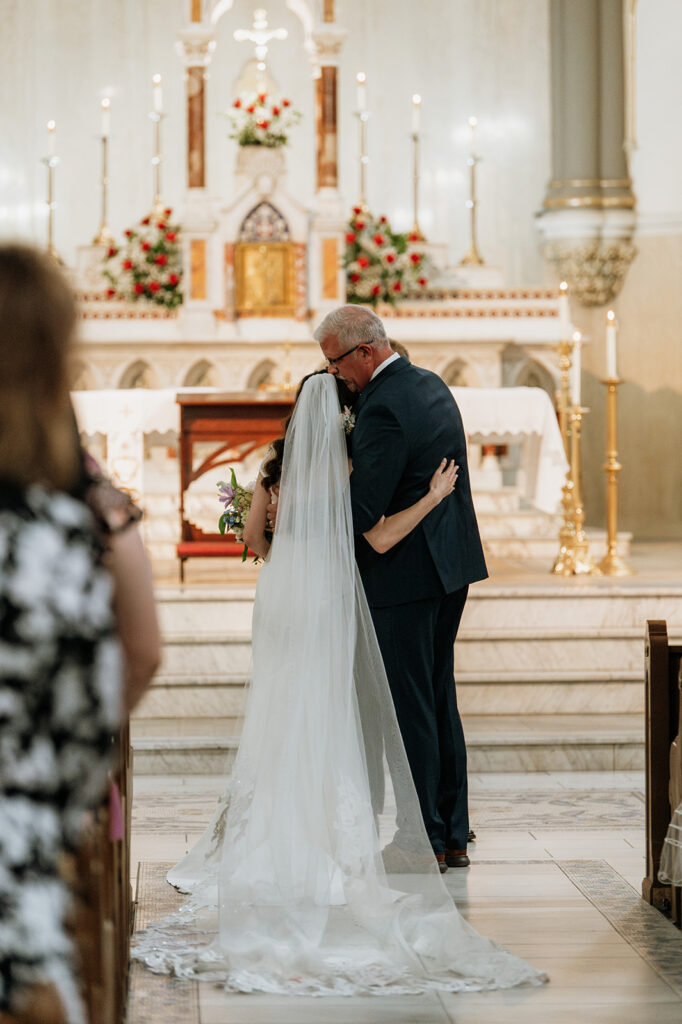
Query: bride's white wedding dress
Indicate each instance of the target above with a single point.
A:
(288, 888)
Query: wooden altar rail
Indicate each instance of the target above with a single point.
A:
(663, 760)
(104, 900)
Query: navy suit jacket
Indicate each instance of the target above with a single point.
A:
(406, 422)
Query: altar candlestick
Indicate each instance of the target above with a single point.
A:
(416, 106)
(158, 94)
(611, 346)
(51, 138)
(575, 369)
(473, 258)
(361, 79)
(564, 313)
(106, 117)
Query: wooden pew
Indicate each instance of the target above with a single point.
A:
(663, 769)
(103, 892)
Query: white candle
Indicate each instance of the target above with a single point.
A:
(106, 117)
(564, 313)
(158, 94)
(611, 346)
(361, 79)
(416, 106)
(51, 138)
(575, 368)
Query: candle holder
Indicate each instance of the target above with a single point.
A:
(158, 206)
(565, 352)
(104, 236)
(416, 230)
(473, 257)
(51, 163)
(574, 558)
(363, 118)
(612, 564)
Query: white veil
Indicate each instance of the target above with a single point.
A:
(292, 858)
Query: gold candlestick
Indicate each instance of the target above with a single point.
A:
(363, 117)
(574, 558)
(104, 236)
(565, 351)
(51, 163)
(158, 205)
(416, 230)
(612, 564)
(473, 257)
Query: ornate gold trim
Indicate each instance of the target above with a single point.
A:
(598, 202)
(265, 279)
(590, 182)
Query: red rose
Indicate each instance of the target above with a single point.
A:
(354, 277)
(154, 286)
(415, 257)
(111, 252)
(146, 246)
(363, 261)
(376, 289)
(357, 209)
(390, 258)
(161, 259)
(237, 104)
(286, 103)
(397, 287)
(111, 292)
(350, 237)
(127, 264)
(170, 236)
(261, 98)
(423, 282)
(173, 279)
(414, 237)
(145, 220)
(251, 109)
(161, 225)
(263, 124)
(378, 239)
(382, 220)
(168, 211)
(128, 233)
(275, 111)
(139, 288)
(359, 224)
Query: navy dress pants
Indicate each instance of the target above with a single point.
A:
(416, 642)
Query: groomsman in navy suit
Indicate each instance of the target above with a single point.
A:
(406, 422)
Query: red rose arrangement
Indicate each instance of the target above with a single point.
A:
(262, 120)
(382, 265)
(148, 265)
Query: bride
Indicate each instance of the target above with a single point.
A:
(289, 891)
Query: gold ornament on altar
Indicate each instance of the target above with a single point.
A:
(596, 270)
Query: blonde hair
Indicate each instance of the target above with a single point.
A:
(38, 439)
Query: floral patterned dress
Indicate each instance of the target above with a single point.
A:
(60, 701)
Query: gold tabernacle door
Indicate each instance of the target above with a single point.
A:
(264, 278)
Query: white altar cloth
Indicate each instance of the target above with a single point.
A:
(490, 416)
(520, 415)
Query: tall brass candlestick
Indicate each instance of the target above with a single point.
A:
(565, 349)
(612, 564)
(363, 117)
(416, 230)
(158, 204)
(104, 236)
(473, 258)
(583, 564)
(51, 163)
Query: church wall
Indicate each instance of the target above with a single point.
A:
(649, 308)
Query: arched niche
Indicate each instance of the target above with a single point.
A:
(532, 374)
(459, 374)
(264, 223)
(261, 375)
(138, 375)
(202, 374)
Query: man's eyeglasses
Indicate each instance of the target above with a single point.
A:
(335, 362)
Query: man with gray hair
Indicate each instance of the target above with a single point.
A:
(406, 422)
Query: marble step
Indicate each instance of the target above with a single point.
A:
(504, 743)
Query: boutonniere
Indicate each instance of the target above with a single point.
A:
(347, 420)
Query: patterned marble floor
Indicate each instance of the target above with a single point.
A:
(555, 876)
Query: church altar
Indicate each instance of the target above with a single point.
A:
(138, 434)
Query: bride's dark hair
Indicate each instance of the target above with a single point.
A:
(272, 469)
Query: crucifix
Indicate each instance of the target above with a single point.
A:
(260, 36)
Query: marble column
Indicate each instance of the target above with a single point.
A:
(202, 282)
(327, 280)
(588, 216)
